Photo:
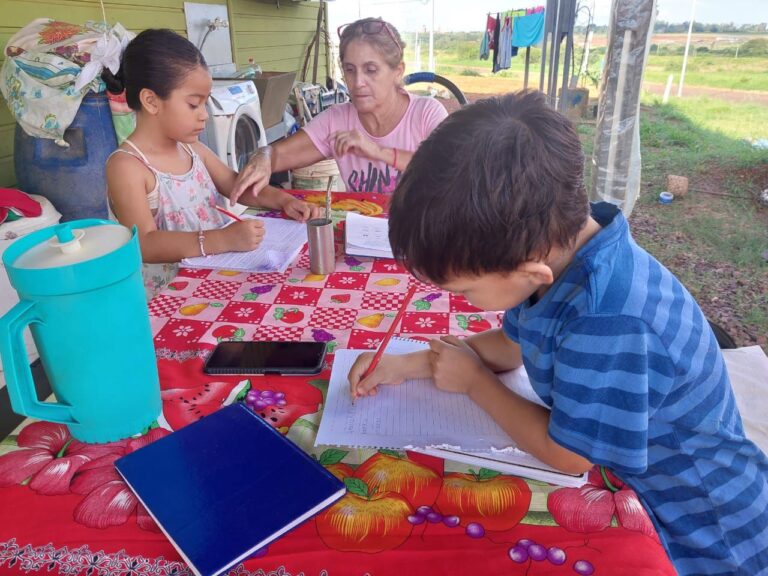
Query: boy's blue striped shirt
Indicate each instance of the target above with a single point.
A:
(623, 355)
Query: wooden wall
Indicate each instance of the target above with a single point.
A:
(275, 34)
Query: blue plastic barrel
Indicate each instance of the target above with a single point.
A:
(73, 178)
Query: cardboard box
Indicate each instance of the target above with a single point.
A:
(273, 89)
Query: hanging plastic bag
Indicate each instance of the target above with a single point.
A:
(49, 67)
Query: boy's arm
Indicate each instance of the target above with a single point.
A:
(456, 367)
(526, 423)
(496, 350)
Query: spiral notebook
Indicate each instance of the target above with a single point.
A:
(225, 486)
(417, 415)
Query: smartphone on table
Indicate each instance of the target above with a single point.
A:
(266, 358)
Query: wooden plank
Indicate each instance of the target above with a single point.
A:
(5, 114)
(7, 174)
(19, 13)
(6, 140)
(261, 25)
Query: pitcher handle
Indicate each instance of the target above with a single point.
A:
(18, 374)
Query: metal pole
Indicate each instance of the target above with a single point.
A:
(687, 46)
(432, 40)
(527, 63)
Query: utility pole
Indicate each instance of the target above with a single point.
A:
(687, 46)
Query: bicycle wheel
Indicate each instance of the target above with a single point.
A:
(431, 77)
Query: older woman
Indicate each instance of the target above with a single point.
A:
(373, 137)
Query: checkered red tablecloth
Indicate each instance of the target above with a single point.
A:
(64, 510)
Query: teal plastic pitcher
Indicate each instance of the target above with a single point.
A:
(82, 296)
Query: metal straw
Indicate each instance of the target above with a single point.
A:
(328, 199)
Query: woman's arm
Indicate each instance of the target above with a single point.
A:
(296, 151)
(224, 179)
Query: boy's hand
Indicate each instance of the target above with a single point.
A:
(243, 236)
(455, 365)
(299, 210)
(386, 372)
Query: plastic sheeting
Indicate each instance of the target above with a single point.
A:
(616, 156)
(50, 65)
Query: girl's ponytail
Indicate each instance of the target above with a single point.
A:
(114, 82)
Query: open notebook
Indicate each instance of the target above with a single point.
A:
(283, 240)
(418, 416)
(366, 236)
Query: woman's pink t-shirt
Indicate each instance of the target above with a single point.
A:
(359, 173)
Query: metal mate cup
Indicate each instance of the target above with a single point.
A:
(322, 253)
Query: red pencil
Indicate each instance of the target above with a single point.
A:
(228, 213)
(390, 332)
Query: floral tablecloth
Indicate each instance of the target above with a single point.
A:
(65, 510)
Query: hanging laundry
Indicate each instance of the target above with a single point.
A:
(496, 32)
(528, 30)
(486, 44)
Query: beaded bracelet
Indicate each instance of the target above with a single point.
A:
(201, 242)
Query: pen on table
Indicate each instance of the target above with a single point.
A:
(387, 336)
(228, 213)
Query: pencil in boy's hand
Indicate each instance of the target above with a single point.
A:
(228, 213)
(387, 336)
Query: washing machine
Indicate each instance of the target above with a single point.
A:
(234, 129)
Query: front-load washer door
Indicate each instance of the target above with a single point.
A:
(245, 136)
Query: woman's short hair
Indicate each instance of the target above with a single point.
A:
(384, 38)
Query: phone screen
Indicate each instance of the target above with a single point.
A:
(266, 357)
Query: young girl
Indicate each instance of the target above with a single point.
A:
(161, 179)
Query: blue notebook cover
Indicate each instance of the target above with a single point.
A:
(226, 486)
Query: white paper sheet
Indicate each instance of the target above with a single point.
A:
(418, 416)
(414, 414)
(367, 236)
(283, 240)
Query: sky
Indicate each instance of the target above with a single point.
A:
(467, 15)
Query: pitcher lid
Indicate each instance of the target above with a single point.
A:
(71, 245)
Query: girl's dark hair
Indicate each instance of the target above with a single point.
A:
(157, 59)
(498, 183)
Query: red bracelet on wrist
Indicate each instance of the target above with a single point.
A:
(394, 160)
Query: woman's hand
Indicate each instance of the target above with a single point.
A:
(299, 210)
(242, 236)
(254, 175)
(353, 142)
(456, 367)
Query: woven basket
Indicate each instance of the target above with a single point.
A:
(678, 185)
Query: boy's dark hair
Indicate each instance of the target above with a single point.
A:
(498, 183)
(157, 59)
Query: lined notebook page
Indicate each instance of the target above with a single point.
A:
(415, 414)
(283, 240)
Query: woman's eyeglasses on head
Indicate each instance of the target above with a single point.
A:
(369, 27)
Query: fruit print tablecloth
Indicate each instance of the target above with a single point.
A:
(64, 509)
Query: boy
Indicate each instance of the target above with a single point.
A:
(493, 207)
